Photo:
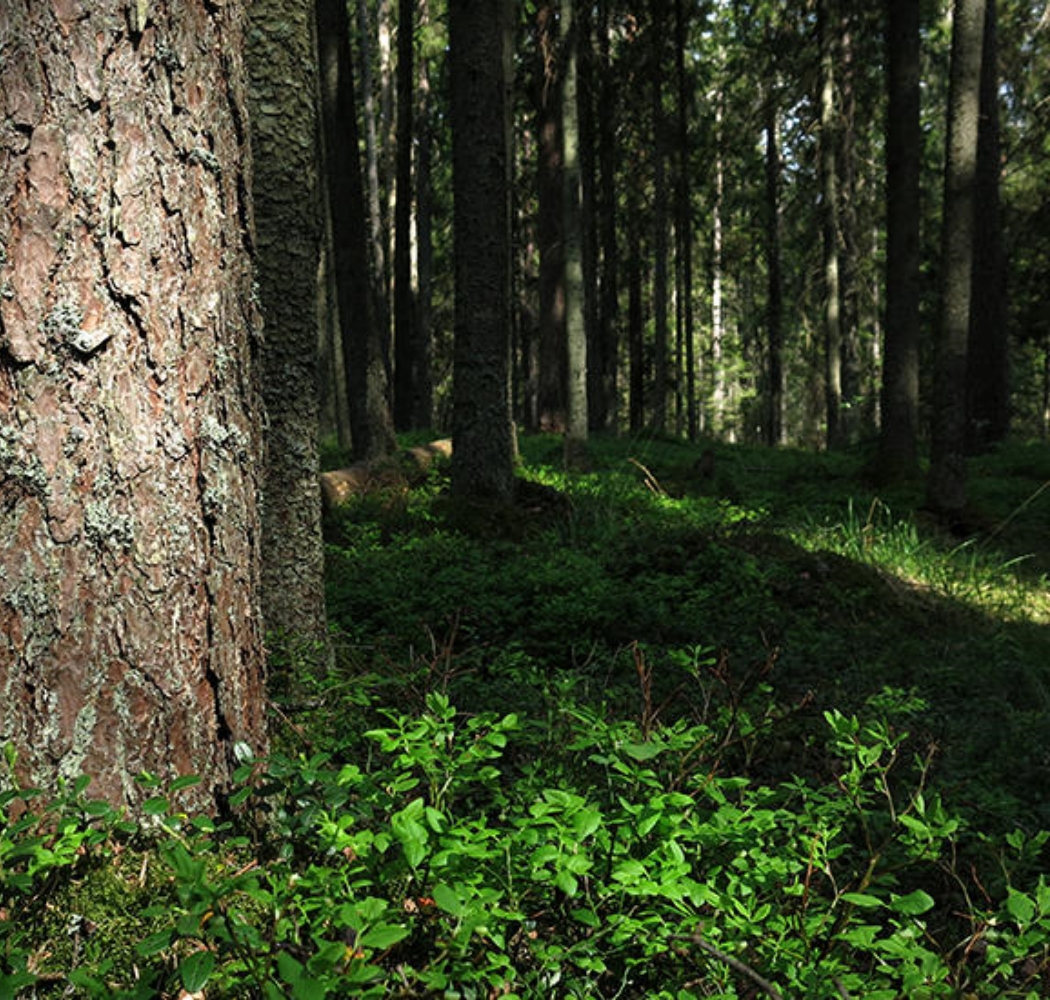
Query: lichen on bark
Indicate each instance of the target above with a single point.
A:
(129, 633)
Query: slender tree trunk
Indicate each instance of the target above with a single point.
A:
(372, 424)
(717, 366)
(424, 240)
(577, 424)
(406, 353)
(608, 310)
(946, 486)
(661, 221)
(553, 378)
(635, 319)
(683, 223)
(282, 64)
(988, 370)
(129, 412)
(829, 173)
(774, 425)
(376, 136)
(898, 451)
(484, 451)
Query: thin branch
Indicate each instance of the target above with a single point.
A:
(737, 966)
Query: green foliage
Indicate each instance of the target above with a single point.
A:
(592, 856)
(649, 743)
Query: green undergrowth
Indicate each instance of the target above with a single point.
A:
(654, 730)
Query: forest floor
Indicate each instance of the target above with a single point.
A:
(666, 729)
(775, 569)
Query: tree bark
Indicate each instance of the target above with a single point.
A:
(129, 413)
(988, 368)
(371, 420)
(577, 424)
(483, 454)
(406, 352)
(946, 484)
(898, 449)
(282, 64)
(829, 174)
(774, 423)
(683, 220)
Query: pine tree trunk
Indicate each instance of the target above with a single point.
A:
(577, 424)
(370, 416)
(829, 172)
(988, 369)
(898, 451)
(129, 416)
(483, 454)
(774, 424)
(282, 63)
(946, 485)
(405, 339)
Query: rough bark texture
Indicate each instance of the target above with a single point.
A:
(774, 427)
(946, 487)
(129, 425)
(282, 66)
(898, 450)
(483, 457)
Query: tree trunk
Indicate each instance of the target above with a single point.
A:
(829, 172)
(661, 219)
(719, 389)
(946, 486)
(774, 424)
(282, 65)
(376, 160)
(683, 220)
(553, 377)
(577, 424)
(129, 417)
(373, 429)
(635, 318)
(484, 452)
(424, 240)
(898, 451)
(406, 352)
(988, 370)
(606, 360)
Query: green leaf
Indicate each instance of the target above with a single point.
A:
(382, 937)
(156, 806)
(154, 944)
(912, 904)
(447, 899)
(195, 970)
(567, 882)
(184, 781)
(642, 751)
(1020, 907)
(862, 899)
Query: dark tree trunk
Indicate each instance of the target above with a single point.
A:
(661, 223)
(946, 487)
(605, 360)
(552, 376)
(129, 416)
(282, 64)
(370, 416)
(424, 390)
(898, 449)
(577, 423)
(684, 221)
(635, 319)
(774, 423)
(829, 176)
(484, 452)
(988, 369)
(406, 340)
